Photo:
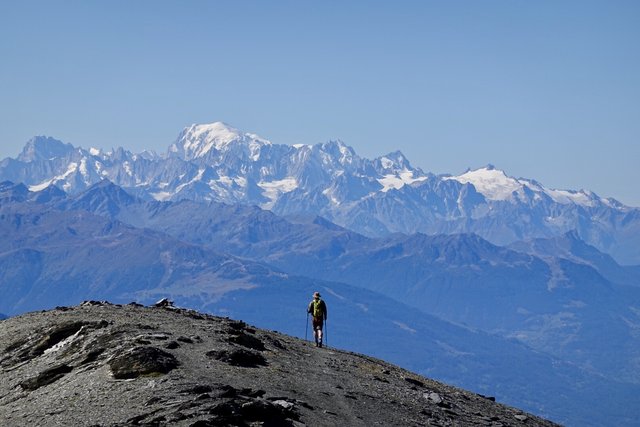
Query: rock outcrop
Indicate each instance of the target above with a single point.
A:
(112, 365)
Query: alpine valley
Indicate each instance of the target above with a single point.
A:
(488, 282)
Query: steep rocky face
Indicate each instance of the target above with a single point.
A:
(103, 364)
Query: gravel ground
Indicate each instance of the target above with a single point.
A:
(110, 365)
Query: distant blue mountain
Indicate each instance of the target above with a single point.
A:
(554, 304)
(569, 246)
(56, 251)
(216, 162)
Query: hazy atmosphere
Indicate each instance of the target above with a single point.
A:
(545, 90)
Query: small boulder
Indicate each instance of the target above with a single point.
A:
(239, 357)
(164, 302)
(248, 341)
(414, 381)
(142, 361)
(433, 397)
(46, 377)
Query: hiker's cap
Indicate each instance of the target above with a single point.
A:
(316, 294)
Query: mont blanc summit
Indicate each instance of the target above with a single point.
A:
(217, 162)
(198, 141)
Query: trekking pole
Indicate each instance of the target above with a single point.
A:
(306, 330)
(326, 333)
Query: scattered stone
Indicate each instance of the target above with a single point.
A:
(164, 302)
(236, 324)
(66, 356)
(142, 361)
(198, 389)
(521, 417)
(92, 356)
(433, 397)
(159, 337)
(172, 345)
(46, 377)
(153, 401)
(276, 343)
(285, 404)
(239, 357)
(94, 303)
(247, 341)
(252, 393)
(414, 381)
(491, 398)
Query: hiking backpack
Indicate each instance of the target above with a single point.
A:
(318, 309)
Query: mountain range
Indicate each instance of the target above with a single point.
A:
(386, 195)
(496, 284)
(104, 243)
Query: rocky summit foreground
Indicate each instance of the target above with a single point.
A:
(103, 364)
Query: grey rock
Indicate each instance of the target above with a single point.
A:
(433, 397)
(142, 361)
(187, 387)
(239, 357)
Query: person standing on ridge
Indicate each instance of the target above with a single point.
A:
(318, 310)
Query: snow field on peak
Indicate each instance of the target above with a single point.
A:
(199, 139)
(397, 181)
(491, 183)
(494, 184)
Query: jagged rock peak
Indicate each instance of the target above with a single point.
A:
(136, 365)
(395, 160)
(44, 148)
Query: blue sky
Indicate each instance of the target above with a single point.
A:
(548, 90)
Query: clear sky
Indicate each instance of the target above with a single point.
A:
(548, 90)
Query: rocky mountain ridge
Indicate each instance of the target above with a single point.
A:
(216, 162)
(110, 365)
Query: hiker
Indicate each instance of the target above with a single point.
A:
(318, 310)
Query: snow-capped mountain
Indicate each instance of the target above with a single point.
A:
(216, 162)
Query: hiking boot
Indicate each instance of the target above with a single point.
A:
(320, 345)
